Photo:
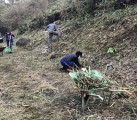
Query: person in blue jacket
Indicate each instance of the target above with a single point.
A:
(9, 39)
(71, 60)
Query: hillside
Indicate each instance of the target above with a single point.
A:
(33, 87)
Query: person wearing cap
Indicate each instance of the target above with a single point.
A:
(71, 60)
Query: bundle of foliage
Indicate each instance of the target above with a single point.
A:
(89, 79)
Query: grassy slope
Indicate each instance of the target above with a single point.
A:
(33, 88)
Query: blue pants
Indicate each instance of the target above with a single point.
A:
(66, 64)
(51, 35)
(9, 44)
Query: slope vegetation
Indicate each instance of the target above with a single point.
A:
(32, 87)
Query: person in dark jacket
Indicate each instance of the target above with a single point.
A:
(71, 60)
(9, 39)
(52, 29)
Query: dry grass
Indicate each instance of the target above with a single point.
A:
(33, 88)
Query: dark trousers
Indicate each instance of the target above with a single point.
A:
(66, 64)
(51, 35)
(9, 44)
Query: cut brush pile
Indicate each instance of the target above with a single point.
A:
(89, 79)
(94, 80)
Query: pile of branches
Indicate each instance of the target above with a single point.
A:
(89, 79)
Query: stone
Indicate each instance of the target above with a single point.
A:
(22, 42)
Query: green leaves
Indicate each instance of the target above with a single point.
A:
(88, 79)
(111, 50)
(74, 76)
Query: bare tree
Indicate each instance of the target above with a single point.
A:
(23, 10)
(11, 1)
(2, 1)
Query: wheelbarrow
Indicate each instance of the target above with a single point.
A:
(102, 91)
(2, 49)
(86, 95)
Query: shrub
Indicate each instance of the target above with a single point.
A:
(16, 13)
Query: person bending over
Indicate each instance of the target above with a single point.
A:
(71, 60)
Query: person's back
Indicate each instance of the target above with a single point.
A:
(71, 60)
(51, 27)
(70, 57)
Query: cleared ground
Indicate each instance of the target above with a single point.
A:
(32, 86)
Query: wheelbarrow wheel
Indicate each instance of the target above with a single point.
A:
(85, 99)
